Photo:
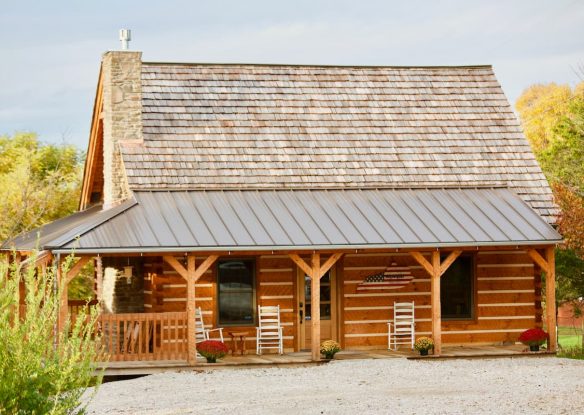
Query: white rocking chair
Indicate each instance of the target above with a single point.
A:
(201, 333)
(269, 330)
(401, 331)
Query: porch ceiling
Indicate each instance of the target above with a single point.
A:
(299, 219)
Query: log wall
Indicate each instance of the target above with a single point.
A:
(507, 300)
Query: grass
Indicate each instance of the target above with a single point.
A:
(570, 340)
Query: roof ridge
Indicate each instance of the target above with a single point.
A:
(320, 189)
(302, 65)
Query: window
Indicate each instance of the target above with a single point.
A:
(456, 290)
(236, 292)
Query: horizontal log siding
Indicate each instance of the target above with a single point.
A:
(365, 314)
(276, 285)
(507, 297)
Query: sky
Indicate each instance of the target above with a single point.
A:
(50, 51)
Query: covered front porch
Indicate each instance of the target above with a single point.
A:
(468, 260)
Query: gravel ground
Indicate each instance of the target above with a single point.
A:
(545, 385)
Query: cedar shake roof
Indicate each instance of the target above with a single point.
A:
(240, 126)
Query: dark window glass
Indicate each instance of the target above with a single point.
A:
(236, 292)
(456, 290)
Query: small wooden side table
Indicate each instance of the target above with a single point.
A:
(241, 335)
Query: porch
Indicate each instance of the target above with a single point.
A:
(304, 358)
(475, 282)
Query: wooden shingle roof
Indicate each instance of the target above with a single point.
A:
(239, 126)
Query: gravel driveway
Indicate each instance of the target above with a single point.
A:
(545, 385)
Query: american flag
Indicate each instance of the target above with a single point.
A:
(392, 278)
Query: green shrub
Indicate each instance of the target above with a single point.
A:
(41, 372)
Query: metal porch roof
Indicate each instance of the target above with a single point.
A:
(304, 219)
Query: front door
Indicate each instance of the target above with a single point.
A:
(327, 309)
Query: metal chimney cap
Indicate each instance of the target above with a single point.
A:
(125, 37)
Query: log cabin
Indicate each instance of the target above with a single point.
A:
(228, 186)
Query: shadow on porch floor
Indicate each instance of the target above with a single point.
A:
(303, 359)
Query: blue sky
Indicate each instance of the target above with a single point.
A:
(50, 51)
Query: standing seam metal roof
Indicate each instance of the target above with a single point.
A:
(307, 219)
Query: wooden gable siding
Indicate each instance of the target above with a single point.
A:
(166, 291)
(507, 300)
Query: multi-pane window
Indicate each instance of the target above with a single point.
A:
(236, 292)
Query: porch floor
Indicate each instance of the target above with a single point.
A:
(303, 359)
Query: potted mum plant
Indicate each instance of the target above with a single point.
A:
(212, 350)
(423, 344)
(329, 348)
(533, 338)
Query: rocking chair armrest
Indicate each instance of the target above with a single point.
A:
(210, 330)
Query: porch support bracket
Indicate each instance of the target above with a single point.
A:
(315, 271)
(436, 269)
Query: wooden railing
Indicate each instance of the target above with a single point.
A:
(144, 336)
(75, 306)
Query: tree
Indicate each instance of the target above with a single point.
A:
(41, 373)
(38, 182)
(541, 107)
(553, 120)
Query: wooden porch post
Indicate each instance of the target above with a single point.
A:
(191, 305)
(548, 265)
(315, 306)
(550, 298)
(63, 282)
(63, 297)
(191, 274)
(436, 269)
(436, 307)
(315, 271)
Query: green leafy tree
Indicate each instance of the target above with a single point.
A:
(38, 182)
(553, 120)
(39, 375)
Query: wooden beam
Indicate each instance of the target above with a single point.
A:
(329, 263)
(436, 308)
(550, 298)
(205, 265)
(301, 264)
(315, 305)
(63, 299)
(191, 305)
(539, 260)
(449, 261)
(42, 258)
(177, 266)
(193, 273)
(72, 273)
(423, 262)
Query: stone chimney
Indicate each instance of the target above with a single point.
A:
(122, 118)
